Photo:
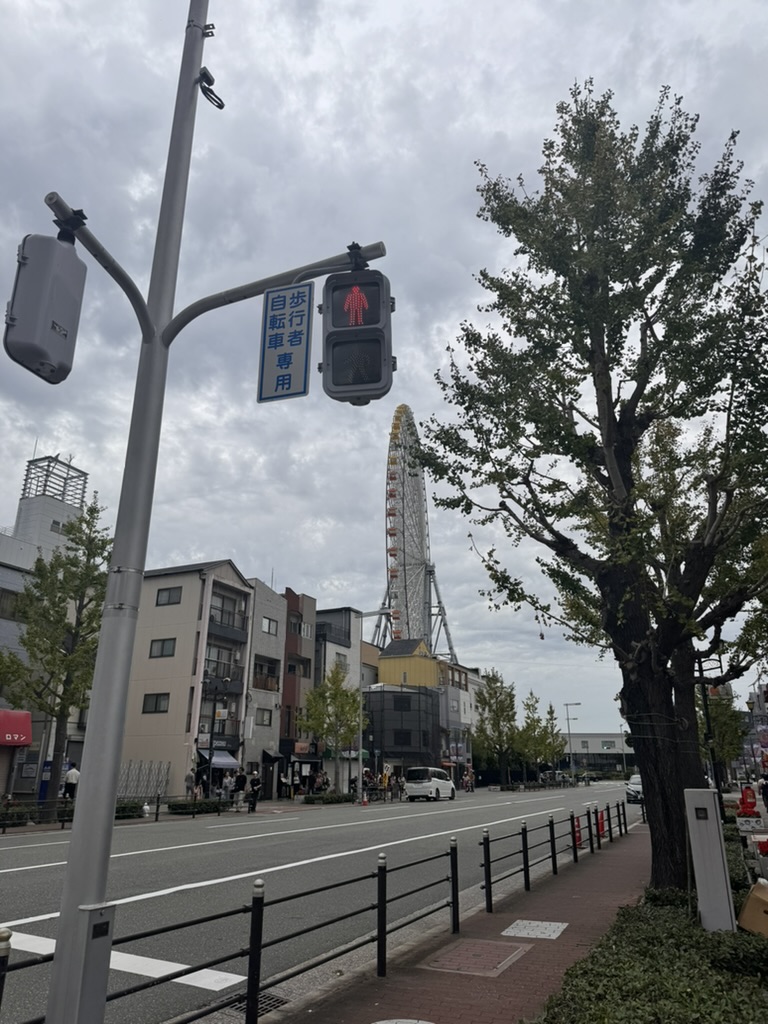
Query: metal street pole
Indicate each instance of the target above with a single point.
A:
(363, 615)
(79, 974)
(572, 704)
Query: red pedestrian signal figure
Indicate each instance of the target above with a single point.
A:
(355, 304)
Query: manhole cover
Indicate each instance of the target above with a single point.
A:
(476, 956)
(535, 929)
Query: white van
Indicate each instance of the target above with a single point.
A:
(429, 784)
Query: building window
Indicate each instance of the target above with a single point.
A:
(262, 716)
(168, 595)
(9, 600)
(401, 703)
(342, 661)
(163, 648)
(306, 630)
(269, 625)
(190, 705)
(585, 744)
(291, 668)
(402, 737)
(56, 526)
(155, 703)
(608, 744)
(454, 705)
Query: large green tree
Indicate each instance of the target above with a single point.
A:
(332, 716)
(497, 721)
(61, 607)
(613, 414)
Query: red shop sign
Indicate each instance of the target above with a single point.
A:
(15, 728)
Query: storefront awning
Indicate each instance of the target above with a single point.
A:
(222, 759)
(267, 758)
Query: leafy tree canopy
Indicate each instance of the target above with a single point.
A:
(332, 715)
(613, 414)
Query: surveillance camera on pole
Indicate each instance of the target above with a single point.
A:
(357, 361)
(44, 312)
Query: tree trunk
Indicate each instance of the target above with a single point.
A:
(50, 807)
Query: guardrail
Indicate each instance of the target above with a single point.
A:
(532, 846)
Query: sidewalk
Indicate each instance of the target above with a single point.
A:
(501, 968)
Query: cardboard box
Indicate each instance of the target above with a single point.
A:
(754, 914)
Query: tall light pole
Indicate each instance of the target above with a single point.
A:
(80, 969)
(572, 704)
(623, 748)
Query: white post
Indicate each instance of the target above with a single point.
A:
(573, 704)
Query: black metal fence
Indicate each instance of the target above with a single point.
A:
(522, 850)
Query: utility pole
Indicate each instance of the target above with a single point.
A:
(79, 975)
(573, 704)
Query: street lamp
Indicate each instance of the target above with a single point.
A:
(363, 615)
(623, 749)
(572, 704)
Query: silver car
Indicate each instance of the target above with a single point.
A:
(635, 790)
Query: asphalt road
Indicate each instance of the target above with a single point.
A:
(177, 870)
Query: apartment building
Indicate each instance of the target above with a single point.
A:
(187, 694)
(53, 492)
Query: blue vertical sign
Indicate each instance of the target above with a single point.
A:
(286, 337)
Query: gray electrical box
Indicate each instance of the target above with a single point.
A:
(713, 885)
(44, 312)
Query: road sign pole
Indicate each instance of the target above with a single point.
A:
(78, 978)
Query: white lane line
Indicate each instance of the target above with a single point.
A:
(291, 832)
(191, 886)
(147, 967)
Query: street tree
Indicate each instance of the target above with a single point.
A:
(531, 736)
(612, 416)
(332, 715)
(61, 608)
(497, 717)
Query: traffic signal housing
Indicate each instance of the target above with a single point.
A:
(43, 315)
(357, 361)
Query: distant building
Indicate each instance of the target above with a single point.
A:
(53, 493)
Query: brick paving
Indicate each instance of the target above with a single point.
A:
(484, 976)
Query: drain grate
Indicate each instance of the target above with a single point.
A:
(267, 1001)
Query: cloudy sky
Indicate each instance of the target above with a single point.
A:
(344, 121)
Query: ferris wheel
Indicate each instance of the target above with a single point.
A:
(412, 598)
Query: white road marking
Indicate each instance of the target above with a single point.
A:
(148, 967)
(191, 886)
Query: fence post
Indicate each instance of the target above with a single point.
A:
(487, 871)
(6, 805)
(574, 839)
(590, 832)
(624, 815)
(157, 808)
(618, 819)
(608, 822)
(381, 918)
(5, 953)
(596, 815)
(642, 810)
(254, 953)
(552, 845)
(454, 861)
(526, 865)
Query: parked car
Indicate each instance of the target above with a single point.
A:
(428, 784)
(634, 790)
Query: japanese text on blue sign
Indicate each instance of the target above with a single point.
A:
(286, 336)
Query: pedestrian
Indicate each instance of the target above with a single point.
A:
(71, 780)
(762, 785)
(227, 788)
(189, 784)
(253, 792)
(240, 783)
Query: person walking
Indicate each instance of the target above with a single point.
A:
(71, 780)
(189, 784)
(254, 790)
(240, 783)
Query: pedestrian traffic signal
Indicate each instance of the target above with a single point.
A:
(357, 361)
(44, 312)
